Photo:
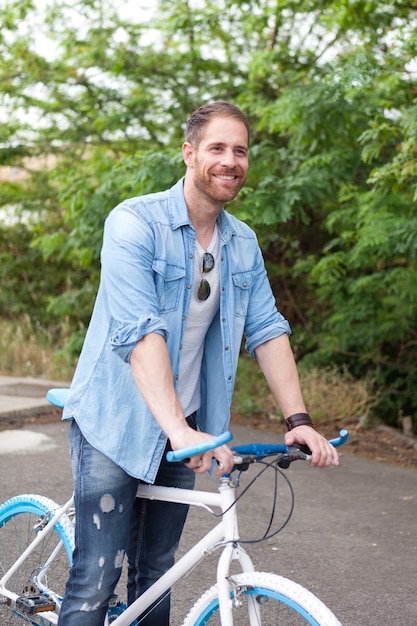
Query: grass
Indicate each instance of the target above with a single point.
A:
(26, 352)
(333, 398)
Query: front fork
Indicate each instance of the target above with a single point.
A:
(228, 592)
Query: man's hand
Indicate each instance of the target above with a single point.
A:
(323, 453)
(202, 463)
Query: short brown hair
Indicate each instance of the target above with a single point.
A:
(201, 117)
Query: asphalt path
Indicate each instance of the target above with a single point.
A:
(352, 539)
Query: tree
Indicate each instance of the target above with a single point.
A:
(329, 87)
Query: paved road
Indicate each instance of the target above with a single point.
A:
(352, 539)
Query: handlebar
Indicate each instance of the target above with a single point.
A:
(260, 450)
(250, 452)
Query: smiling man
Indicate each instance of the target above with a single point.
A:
(216, 157)
(182, 281)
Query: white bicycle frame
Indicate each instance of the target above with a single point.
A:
(224, 533)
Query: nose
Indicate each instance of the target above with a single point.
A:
(228, 158)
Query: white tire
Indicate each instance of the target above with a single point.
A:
(278, 602)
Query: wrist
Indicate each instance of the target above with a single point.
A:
(299, 419)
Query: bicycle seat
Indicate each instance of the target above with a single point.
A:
(57, 397)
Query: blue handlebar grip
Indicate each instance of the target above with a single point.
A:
(185, 453)
(260, 449)
(341, 440)
(57, 397)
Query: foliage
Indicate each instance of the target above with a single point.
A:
(30, 350)
(97, 114)
(335, 399)
(27, 278)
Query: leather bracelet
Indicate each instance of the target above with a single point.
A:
(299, 419)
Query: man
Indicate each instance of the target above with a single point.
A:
(181, 282)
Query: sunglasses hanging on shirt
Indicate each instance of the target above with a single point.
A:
(204, 288)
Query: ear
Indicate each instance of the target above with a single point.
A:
(188, 153)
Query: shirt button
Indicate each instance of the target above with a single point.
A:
(161, 436)
(227, 348)
(188, 286)
(245, 284)
(223, 319)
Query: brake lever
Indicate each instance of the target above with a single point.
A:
(302, 447)
(241, 463)
(297, 452)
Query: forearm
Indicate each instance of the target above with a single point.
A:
(151, 367)
(276, 360)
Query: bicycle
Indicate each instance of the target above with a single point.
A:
(37, 540)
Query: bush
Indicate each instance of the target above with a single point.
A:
(334, 398)
(25, 351)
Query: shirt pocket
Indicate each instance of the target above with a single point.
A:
(242, 285)
(169, 283)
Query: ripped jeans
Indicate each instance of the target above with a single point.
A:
(111, 522)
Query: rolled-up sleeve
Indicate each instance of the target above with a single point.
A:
(265, 334)
(126, 336)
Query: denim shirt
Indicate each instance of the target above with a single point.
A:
(147, 270)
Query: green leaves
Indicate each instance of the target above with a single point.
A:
(93, 111)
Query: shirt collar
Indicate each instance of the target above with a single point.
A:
(178, 213)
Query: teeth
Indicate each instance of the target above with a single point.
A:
(225, 177)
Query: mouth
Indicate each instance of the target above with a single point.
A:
(226, 177)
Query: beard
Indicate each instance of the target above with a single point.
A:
(214, 189)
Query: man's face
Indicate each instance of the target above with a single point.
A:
(219, 164)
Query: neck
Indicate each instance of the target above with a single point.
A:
(203, 216)
(205, 235)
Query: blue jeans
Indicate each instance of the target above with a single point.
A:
(111, 523)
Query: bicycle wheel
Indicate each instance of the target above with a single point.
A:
(20, 519)
(265, 599)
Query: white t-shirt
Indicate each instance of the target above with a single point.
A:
(200, 316)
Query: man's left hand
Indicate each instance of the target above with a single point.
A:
(323, 453)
